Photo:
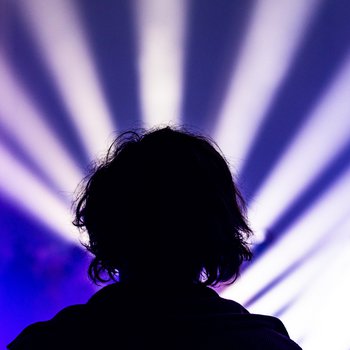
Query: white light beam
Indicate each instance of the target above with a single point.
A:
(319, 316)
(23, 121)
(325, 133)
(271, 43)
(64, 47)
(300, 279)
(160, 35)
(317, 222)
(26, 191)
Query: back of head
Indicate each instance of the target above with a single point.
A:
(163, 207)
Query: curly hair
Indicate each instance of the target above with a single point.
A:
(163, 204)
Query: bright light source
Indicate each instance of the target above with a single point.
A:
(269, 48)
(299, 278)
(324, 134)
(312, 227)
(63, 46)
(318, 316)
(160, 34)
(23, 121)
(25, 190)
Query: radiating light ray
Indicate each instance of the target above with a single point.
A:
(26, 191)
(316, 222)
(301, 278)
(160, 35)
(323, 135)
(22, 119)
(270, 45)
(63, 46)
(324, 304)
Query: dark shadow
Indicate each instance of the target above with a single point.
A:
(287, 305)
(215, 32)
(276, 281)
(323, 49)
(111, 29)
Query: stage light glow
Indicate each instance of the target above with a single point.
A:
(324, 320)
(317, 222)
(160, 25)
(300, 276)
(23, 121)
(324, 134)
(63, 46)
(269, 47)
(25, 190)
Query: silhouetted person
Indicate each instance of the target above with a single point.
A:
(165, 223)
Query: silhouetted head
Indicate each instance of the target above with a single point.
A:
(162, 207)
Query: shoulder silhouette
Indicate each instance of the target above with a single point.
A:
(165, 223)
